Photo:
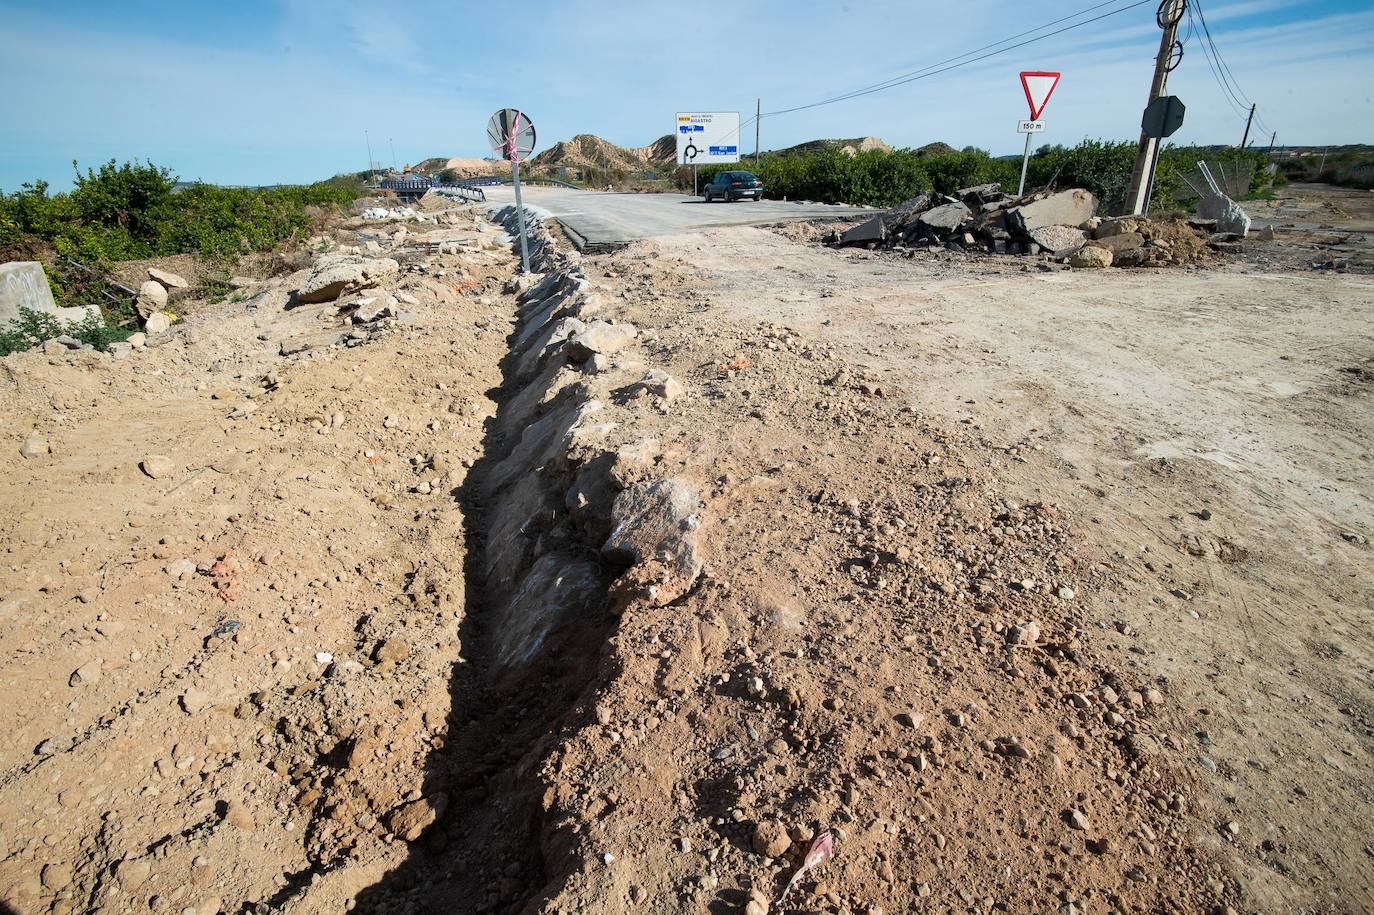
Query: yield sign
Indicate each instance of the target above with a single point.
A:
(1039, 86)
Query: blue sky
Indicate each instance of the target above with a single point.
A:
(282, 90)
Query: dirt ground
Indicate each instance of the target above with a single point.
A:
(1146, 401)
(1042, 590)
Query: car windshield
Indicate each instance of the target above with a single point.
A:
(741, 176)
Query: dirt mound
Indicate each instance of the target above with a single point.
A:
(589, 151)
(849, 147)
(465, 167)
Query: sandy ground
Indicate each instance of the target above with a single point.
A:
(223, 679)
(1041, 590)
(1148, 400)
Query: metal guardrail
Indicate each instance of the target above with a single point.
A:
(462, 192)
(491, 180)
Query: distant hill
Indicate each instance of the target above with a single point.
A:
(851, 147)
(591, 152)
(466, 168)
(936, 149)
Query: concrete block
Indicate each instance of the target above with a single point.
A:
(1067, 208)
(873, 230)
(23, 284)
(944, 219)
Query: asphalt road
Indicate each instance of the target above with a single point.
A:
(609, 219)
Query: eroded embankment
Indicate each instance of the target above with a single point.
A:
(570, 524)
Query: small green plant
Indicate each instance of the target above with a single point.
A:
(34, 327)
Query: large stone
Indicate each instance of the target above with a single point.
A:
(1091, 256)
(23, 284)
(158, 466)
(1065, 239)
(34, 447)
(152, 298)
(375, 308)
(1117, 244)
(1230, 216)
(944, 219)
(159, 322)
(1117, 225)
(655, 528)
(599, 337)
(1067, 208)
(660, 384)
(335, 275)
(167, 278)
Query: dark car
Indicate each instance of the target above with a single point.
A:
(734, 186)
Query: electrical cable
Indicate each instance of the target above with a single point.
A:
(958, 61)
(897, 80)
(936, 69)
(1228, 79)
(1236, 105)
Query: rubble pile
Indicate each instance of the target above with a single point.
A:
(1063, 225)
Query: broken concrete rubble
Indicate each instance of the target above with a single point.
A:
(983, 219)
(945, 218)
(1067, 208)
(1059, 239)
(1230, 216)
(24, 285)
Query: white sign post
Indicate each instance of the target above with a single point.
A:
(511, 133)
(1039, 86)
(706, 138)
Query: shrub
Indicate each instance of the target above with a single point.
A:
(134, 211)
(33, 327)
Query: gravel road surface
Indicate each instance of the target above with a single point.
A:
(613, 219)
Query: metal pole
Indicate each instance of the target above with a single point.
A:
(1246, 138)
(758, 113)
(520, 210)
(1171, 11)
(369, 152)
(1025, 160)
(1272, 137)
(393, 154)
(694, 180)
(1150, 188)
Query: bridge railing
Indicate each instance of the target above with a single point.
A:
(490, 180)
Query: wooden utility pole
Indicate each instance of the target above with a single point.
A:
(1245, 139)
(758, 113)
(1168, 17)
(1273, 136)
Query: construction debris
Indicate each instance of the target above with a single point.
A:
(1063, 225)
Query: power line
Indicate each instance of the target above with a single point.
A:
(1236, 105)
(953, 63)
(898, 80)
(1216, 52)
(1223, 71)
(937, 68)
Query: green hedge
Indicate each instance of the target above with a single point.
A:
(877, 178)
(135, 210)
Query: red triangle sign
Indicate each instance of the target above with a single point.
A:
(1039, 86)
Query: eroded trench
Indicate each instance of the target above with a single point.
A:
(562, 536)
